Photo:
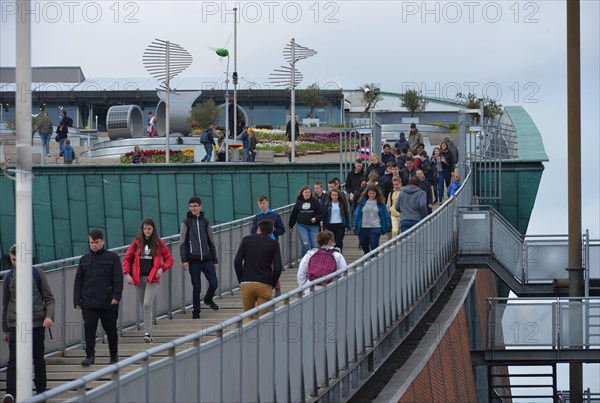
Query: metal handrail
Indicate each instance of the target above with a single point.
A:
(285, 299)
(556, 305)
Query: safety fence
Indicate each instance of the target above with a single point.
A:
(319, 339)
(175, 292)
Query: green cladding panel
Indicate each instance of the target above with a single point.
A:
(70, 201)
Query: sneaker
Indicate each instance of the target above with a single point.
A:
(195, 315)
(8, 398)
(113, 359)
(212, 305)
(148, 338)
(48, 155)
(87, 361)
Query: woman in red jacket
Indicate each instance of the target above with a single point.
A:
(147, 258)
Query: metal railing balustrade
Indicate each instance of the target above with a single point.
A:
(549, 323)
(174, 293)
(322, 339)
(531, 259)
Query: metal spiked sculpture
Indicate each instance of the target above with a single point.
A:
(289, 77)
(164, 60)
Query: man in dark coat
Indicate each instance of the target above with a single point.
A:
(97, 292)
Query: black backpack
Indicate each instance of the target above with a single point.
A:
(36, 278)
(69, 121)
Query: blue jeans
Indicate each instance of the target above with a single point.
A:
(440, 186)
(46, 143)
(209, 149)
(405, 225)
(308, 236)
(61, 142)
(208, 268)
(369, 238)
(245, 154)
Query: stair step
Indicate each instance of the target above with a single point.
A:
(65, 366)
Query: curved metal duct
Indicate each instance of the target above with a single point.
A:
(180, 104)
(125, 122)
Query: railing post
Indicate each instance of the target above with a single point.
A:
(557, 334)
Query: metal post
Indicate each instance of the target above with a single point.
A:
(293, 102)
(235, 74)
(24, 187)
(168, 101)
(227, 112)
(574, 200)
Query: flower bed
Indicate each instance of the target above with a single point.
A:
(277, 141)
(158, 156)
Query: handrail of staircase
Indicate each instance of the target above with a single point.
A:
(238, 320)
(525, 332)
(120, 250)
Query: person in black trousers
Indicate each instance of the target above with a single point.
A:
(43, 305)
(97, 292)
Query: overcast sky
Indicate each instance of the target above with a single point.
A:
(512, 51)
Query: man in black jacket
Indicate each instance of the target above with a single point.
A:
(354, 178)
(199, 254)
(97, 292)
(258, 266)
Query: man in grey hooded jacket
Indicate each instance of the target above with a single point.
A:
(411, 204)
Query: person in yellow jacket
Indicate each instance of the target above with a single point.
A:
(390, 203)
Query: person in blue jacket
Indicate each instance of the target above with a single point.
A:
(454, 186)
(371, 219)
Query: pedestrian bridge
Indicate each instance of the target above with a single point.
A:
(322, 345)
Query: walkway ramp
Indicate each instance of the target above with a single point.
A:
(64, 366)
(530, 266)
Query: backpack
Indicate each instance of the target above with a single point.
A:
(36, 278)
(69, 122)
(204, 137)
(321, 264)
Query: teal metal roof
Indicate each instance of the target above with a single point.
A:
(530, 145)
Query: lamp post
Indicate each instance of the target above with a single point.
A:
(222, 52)
(235, 74)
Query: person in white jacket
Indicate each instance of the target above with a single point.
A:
(325, 239)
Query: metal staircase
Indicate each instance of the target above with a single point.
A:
(530, 266)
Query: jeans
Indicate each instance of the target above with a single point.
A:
(108, 317)
(252, 156)
(308, 236)
(208, 147)
(405, 225)
(369, 238)
(245, 154)
(440, 186)
(39, 362)
(208, 268)
(146, 292)
(61, 142)
(46, 143)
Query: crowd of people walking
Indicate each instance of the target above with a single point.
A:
(377, 199)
